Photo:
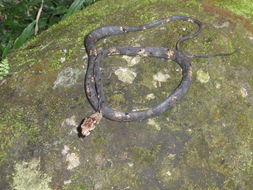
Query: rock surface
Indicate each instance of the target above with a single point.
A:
(205, 142)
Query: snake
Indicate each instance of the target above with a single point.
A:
(93, 81)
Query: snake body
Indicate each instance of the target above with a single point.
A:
(93, 81)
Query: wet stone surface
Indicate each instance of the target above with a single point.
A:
(204, 142)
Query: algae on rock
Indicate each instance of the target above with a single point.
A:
(204, 142)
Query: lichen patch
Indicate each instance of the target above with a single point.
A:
(154, 124)
(217, 85)
(67, 182)
(65, 150)
(62, 59)
(223, 25)
(244, 92)
(202, 76)
(131, 61)
(150, 96)
(29, 177)
(168, 173)
(160, 77)
(71, 158)
(125, 75)
(73, 161)
(70, 122)
(67, 77)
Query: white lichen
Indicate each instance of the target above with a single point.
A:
(160, 77)
(131, 61)
(71, 158)
(189, 130)
(172, 156)
(217, 85)
(62, 59)
(202, 76)
(67, 182)
(223, 25)
(168, 173)
(130, 164)
(67, 77)
(244, 92)
(154, 124)
(71, 124)
(65, 150)
(150, 96)
(28, 176)
(125, 75)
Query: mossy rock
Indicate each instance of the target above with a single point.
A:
(204, 142)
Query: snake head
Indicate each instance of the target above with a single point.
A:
(89, 123)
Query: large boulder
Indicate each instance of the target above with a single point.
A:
(204, 142)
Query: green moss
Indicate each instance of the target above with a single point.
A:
(144, 156)
(121, 177)
(192, 3)
(75, 187)
(99, 142)
(243, 125)
(4, 68)
(205, 153)
(13, 125)
(76, 183)
(117, 100)
(242, 7)
(168, 173)
(147, 80)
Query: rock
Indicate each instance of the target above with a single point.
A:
(204, 142)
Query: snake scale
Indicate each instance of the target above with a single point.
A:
(93, 81)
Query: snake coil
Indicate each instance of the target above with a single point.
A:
(93, 81)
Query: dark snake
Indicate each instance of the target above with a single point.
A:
(93, 81)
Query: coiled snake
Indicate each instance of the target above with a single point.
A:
(93, 81)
